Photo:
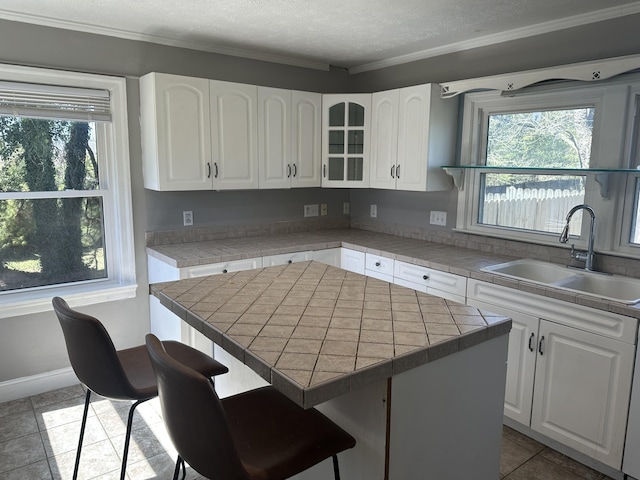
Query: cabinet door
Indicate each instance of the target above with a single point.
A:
(274, 137)
(384, 139)
(176, 133)
(234, 123)
(521, 365)
(413, 125)
(306, 149)
(345, 141)
(582, 388)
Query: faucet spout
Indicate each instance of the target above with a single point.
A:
(564, 236)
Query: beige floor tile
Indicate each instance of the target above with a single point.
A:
(538, 468)
(96, 460)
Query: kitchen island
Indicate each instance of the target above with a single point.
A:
(418, 380)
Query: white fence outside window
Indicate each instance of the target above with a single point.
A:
(532, 209)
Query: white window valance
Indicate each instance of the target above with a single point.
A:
(585, 71)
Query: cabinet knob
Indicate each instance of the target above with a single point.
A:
(224, 271)
(290, 261)
(425, 277)
(377, 264)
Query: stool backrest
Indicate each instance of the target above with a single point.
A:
(92, 354)
(194, 417)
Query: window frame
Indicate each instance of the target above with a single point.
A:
(115, 189)
(607, 97)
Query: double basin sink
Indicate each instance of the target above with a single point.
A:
(609, 287)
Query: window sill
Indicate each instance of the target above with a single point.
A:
(15, 304)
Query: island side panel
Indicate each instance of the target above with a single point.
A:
(446, 416)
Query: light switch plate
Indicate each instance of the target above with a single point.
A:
(187, 218)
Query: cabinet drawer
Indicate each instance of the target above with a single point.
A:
(378, 264)
(431, 279)
(283, 259)
(223, 267)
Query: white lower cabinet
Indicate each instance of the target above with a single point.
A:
(434, 282)
(285, 258)
(378, 267)
(330, 256)
(352, 260)
(564, 382)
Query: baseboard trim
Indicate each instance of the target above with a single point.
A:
(43, 382)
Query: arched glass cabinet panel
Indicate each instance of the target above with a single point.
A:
(345, 140)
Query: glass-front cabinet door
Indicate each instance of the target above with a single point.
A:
(345, 136)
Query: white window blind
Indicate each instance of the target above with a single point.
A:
(51, 101)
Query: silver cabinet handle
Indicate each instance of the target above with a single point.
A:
(398, 171)
(295, 170)
(324, 171)
(393, 169)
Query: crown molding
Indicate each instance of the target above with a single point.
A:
(161, 40)
(515, 34)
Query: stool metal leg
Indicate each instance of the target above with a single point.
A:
(82, 427)
(127, 437)
(336, 470)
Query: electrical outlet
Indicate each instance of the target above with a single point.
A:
(311, 210)
(323, 209)
(345, 208)
(438, 218)
(187, 218)
(373, 211)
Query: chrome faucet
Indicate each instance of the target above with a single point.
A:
(587, 256)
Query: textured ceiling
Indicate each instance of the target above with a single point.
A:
(355, 34)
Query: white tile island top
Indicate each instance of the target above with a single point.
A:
(317, 332)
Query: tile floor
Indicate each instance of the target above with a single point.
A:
(39, 434)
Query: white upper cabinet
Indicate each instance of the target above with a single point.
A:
(274, 137)
(345, 140)
(234, 126)
(413, 135)
(198, 134)
(384, 138)
(289, 129)
(306, 153)
(176, 132)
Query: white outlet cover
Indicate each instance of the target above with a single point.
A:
(374, 211)
(187, 218)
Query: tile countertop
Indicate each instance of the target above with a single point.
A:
(448, 258)
(316, 332)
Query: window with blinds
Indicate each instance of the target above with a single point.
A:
(52, 228)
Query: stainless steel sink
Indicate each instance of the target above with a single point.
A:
(610, 287)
